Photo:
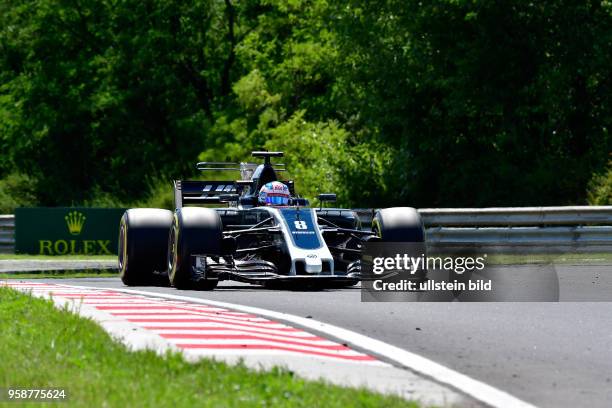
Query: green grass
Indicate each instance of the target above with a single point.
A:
(6, 257)
(43, 347)
(569, 258)
(93, 273)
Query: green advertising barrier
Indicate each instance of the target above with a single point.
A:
(67, 230)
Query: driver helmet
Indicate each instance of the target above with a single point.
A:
(274, 193)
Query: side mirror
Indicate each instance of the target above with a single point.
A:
(327, 197)
(331, 197)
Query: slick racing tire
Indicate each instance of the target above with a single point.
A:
(402, 225)
(143, 241)
(399, 224)
(194, 231)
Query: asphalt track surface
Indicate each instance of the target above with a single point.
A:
(547, 353)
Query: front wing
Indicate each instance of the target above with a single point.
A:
(260, 272)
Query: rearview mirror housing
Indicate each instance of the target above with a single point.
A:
(327, 197)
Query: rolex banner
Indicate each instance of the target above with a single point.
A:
(67, 230)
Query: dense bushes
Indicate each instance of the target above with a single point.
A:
(16, 190)
(600, 188)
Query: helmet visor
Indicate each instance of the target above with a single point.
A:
(277, 200)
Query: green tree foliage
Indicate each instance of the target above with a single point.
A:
(484, 103)
(437, 103)
(16, 190)
(600, 188)
(102, 96)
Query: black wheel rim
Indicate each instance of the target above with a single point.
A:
(171, 249)
(122, 247)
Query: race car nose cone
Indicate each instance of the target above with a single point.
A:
(313, 264)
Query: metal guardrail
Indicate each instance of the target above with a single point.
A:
(521, 229)
(518, 229)
(516, 216)
(512, 229)
(7, 234)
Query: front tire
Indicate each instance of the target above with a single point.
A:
(143, 240)
(402, 225)
(194, 231)
(399, 224)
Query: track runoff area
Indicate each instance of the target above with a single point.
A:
(262, 339)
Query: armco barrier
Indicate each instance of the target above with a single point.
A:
(513, 229)
(522, 229)
(517, 229)
(7, 234)
(517, 216)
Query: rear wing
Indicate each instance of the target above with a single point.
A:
(203, 192)
(253, 176)
(215, 192)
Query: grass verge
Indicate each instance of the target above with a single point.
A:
(43, 347)
(10, 257)
(569, 258)
(63, 274)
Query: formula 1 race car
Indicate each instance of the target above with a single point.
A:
(249, 240)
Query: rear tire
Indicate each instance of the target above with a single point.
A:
(143, 241)
(194, 231)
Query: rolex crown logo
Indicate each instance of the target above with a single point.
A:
(75, 221)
